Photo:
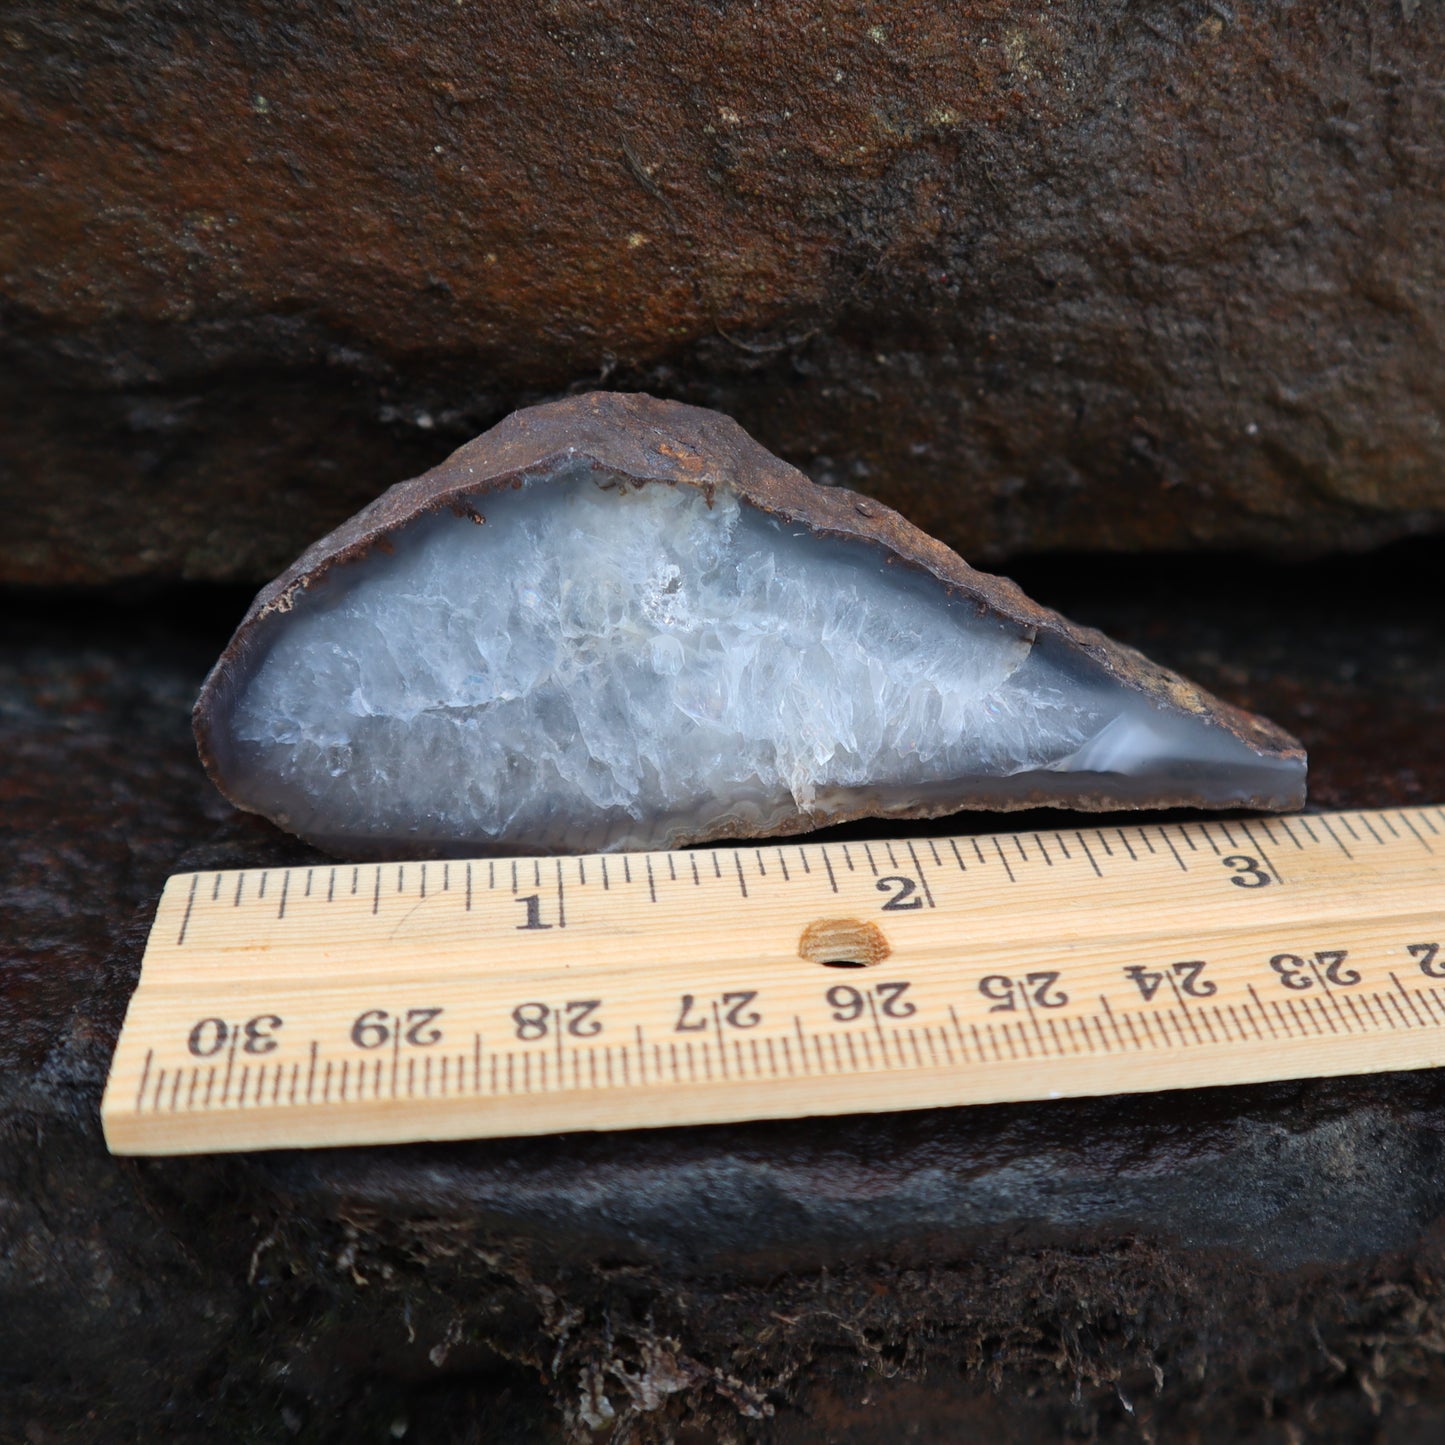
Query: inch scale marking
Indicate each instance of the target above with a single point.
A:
(373, 1003)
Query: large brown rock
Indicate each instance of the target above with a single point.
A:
(1105, 275)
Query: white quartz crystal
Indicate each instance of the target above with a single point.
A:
(596, 666)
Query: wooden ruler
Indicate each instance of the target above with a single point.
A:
(386, 1002)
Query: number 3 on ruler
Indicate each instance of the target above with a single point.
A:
(1247, 872)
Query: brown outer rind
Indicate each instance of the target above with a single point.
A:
(645, 440)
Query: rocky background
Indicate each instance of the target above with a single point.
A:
(1264, 1265)
(1108, 275)
(1086, 288)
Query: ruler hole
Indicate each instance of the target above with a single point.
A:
(843, 943)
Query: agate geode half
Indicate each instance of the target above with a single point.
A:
(617, 622)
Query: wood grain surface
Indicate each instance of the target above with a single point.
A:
(388, 1002)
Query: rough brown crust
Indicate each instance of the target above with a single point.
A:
(647, 440)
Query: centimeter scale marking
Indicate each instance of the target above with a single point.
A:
(371, 1003)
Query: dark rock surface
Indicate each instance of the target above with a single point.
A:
(1257, 1264)
(1108, 275)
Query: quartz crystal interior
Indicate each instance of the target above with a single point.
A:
(600, 665)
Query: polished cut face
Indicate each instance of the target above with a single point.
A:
(601, 665)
